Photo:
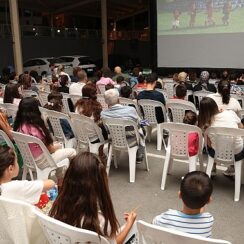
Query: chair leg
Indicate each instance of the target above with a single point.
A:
(192, 163)
(146, 160)
(109, 159)
(210, 166)
(116, 156)
(166, 168)
(238, 168)
(132, 161)
(159, 137)
(201, 162)
(149, 133)
(171, 161)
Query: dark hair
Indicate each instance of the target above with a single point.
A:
(11, 91)
(151, 78)
(106, 72)
(190, 118)
(158, 85)
(196, 189)
(26, 81)
(224, 91)
(76, 70)
(63, 80)
(125, 91)
(141, 79)
(54, 101)
(89, 91)
(181, 91)
(12, 76)
(7, 158)
(120, 79)
(81, 75)
(207, 110)
(109, 86)
(83, 193)
(29, 113)
(33, 74)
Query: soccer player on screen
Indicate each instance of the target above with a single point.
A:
(226, 11)
(176, 21)
(209, 21)
(192, 13)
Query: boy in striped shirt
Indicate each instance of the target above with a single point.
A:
(195, 191)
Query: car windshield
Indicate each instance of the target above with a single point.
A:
(85, 60)
(55, 60)
(67, 59)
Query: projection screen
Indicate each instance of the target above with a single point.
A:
(200, 33)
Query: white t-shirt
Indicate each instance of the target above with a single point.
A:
(24, 190)
(76, 88)
(232, 105)
(228, 119)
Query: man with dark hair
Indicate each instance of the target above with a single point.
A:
(180, 91)
(195, 191)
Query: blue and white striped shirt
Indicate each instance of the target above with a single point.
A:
(199, 224)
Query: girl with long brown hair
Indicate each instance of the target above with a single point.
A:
(84, 199)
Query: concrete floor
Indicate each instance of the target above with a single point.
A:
(146, 193)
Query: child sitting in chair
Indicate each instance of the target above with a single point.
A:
(195, 191)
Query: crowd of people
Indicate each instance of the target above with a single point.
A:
(84, 184)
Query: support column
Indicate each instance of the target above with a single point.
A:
(15, 27)
(104, 33)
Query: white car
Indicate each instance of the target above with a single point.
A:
(41, 65)
(83, 62)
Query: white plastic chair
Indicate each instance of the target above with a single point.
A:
(149, 111)
(101, 100)
(18, 223)
(129, 102)
(43, 97)
(177, 147)
(178, 108)
(54, 118)
(6, 139)
(240, 99)
(149, 234)
(30, 93)
(169, 87)
(65, 100)
(199, 95)
(117, 131)
(62, 233)
(30, 165)
(11, 109)
(85, 128)
(164, 93)
(101, 88)
(74, 98)
(225, 152)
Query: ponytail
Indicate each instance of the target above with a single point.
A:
(224, 91)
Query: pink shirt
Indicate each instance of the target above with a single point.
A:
(193, 144)
(33, 131)
(105, 81)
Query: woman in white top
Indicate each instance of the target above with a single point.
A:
(210, 116)
(28, 191)
(223, 99)
(84, 200)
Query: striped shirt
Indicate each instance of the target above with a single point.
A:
(199, 224)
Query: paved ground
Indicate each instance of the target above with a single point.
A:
(146, 193)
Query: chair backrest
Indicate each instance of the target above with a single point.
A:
(85, 128)
(29, 93)
(178, 138)
(199, 95)
(43, 97)
(74, 98)
(117, 131)
(101, 99)
(224, 140)
(164, 92)
(18, 223)
(6, 139)
(169, 87)
(59, 232)
(101, 88)
(149, 234)
(149, 110)
(65, 101)
(240, 99)
(23, 142)
(130, 102)
(11, 109)
(178, 108)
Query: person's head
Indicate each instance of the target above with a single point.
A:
(190, 118)
(117, 70)
(192, 76)
(175, 77)
(151, 80)
(225, 75)
(136, 72)
(120, 79)
(204, 77)
(54, 101)
(126, 91)
(11, 91)
(158, 85)
(60, 68)
(26, 81)
(63, 80)
(33, 74)
(85, 187)
(82, 76)
(29, 113)
(207, 110)
(76, 70)
(111, 97)
(106, 72)
(196, 189)
(182, 77)
(9, 167)
(13, 76)
(109, 86)
(224, 91)
(89, 91)
(141, 79)
(181, 91)
(233, 77)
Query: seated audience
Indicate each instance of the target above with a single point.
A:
(195, 192)
(11, 94)
(109, 86)
(141, 82)
(75, 78)
(210, 116)
(63, 81)
(180, 91)
(120, 82)
(76, 88)
(223, 99)
(85, 188)
(26, 83)
(24, 190)
(203, 83)
(60, 71)
(118, 72)
(126, 91)
(105, 78)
